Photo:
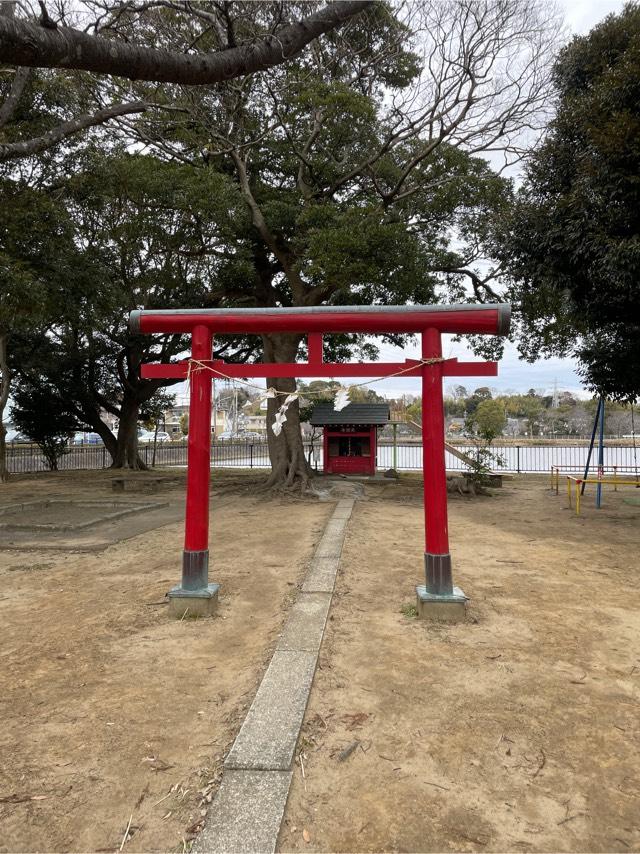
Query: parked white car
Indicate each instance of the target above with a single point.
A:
(146, 436)
(86, 439)
(14, 436)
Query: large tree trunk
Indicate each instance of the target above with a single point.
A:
(126, 454)
(289, 466)
(5, 380)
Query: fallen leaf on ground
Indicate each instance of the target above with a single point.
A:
(355, 720)
(157, 764)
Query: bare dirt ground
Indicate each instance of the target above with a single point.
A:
(112, 714)
(515, 731)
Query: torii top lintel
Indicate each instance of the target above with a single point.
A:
(456, 319)
(490, 319)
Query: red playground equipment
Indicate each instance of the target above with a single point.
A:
(437, 596)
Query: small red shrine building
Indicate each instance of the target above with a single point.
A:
(350, 436)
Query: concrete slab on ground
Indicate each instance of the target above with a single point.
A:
(331, 546)
(246, 813)
(321, 577)
(344, 508)
(304, 628)
(101, 534)
(269, 733)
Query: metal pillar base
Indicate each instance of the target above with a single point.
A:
(195, 570)
(444, 607)
(437, 570)
(194, 597)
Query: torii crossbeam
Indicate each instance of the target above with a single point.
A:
(437, 597)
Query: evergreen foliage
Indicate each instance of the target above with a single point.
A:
(573, 241)
(41, 415)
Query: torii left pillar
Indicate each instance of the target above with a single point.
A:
(194, 596)
(437, 599)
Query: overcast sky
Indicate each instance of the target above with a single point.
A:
(514, 375)
(582, 15)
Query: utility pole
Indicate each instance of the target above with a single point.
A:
(215, 420)
(235, 411)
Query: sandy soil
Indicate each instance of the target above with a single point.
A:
(112, 714)
(515, 731)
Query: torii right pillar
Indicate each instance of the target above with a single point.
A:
(438, 599)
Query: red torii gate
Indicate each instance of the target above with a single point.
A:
(195, 593)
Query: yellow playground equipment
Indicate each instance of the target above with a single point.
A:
(579, 482)
(613, 475)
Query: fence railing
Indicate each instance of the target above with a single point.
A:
(250, 454)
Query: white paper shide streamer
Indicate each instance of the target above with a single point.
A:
(341, 399)
(281, 414)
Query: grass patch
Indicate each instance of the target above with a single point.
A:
(410, 611)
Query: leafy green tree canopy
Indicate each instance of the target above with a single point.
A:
(41, 414)
(489, 420)
(573, 242)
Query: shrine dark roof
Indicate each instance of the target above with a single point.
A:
(355, 413)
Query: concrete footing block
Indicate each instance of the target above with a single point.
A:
(246, 814)
(186, 604)
(445, 608)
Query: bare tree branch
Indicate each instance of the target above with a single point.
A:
(478, 283)
(28, 147)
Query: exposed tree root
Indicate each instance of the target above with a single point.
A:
(293, 475)
(133, 465)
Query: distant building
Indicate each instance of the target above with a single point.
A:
(172, 417)
(255, 423)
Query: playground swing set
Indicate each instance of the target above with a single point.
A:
(437, 598)
(619, 476)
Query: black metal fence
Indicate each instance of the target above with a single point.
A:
(23, 459)
(406, 456)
